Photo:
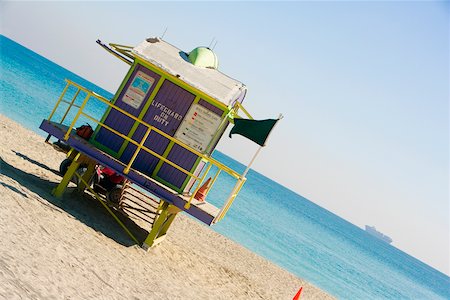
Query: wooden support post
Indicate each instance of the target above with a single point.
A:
(149, 241)
(161, 225)
(171, 216)
(59, 190)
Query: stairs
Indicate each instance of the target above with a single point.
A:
(139, 206)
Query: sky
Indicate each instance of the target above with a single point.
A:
(363, 87)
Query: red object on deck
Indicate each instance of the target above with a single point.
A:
(297, 296)
(112, 175)
(85, 131)
(201, 193)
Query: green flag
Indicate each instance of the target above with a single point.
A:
(255, 130)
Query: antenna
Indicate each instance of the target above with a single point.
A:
(211, 42)
(214, 45)
(164, 32)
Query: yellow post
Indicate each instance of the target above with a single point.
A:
(244, 110)
(59, 100)
(70, 105)
(71, 154)
(230, 200)
(127, 168)
(173, 211)
(161, 225)
(66, 136)
(59, 190)
(159, 222)
(86, 176)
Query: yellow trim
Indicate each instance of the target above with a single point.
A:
(161, 225)
(127, 168)
(113, 100)
(209, 160)
(138, 149)
(120, 46)
(220, 130)
(122, 49)
(110, 129)
(240, 106)
(222, 166)
(114, 51)
(183, 84)
(142, 114)
(161, 162)
(167, 152)
(230, 201)
(106, 101)
(71, 103)
(58, 191)
(80, 110)
(67, 102)
(59, 101)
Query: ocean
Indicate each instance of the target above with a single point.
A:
(267, 218)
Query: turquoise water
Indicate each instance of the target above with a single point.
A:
(267, 218)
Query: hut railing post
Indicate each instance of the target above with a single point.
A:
(135, 154)
(59, 101)
(213, 181)
(234, 192)
(66, 136)
(70, 105)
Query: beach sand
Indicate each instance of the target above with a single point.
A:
(71, 248)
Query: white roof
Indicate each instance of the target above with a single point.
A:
(210, 81)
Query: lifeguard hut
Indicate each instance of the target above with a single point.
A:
(158, 131)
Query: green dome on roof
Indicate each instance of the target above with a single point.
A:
(203, 57)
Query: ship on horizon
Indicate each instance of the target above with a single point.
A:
(374, 232)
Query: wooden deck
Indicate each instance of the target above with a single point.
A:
(203, 211)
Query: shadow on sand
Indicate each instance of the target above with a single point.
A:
(81, 206)
(23, 156)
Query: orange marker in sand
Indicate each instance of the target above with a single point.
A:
(297, 296)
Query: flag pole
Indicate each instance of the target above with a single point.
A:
(242, 178)
(259, 149)
(251, 162)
